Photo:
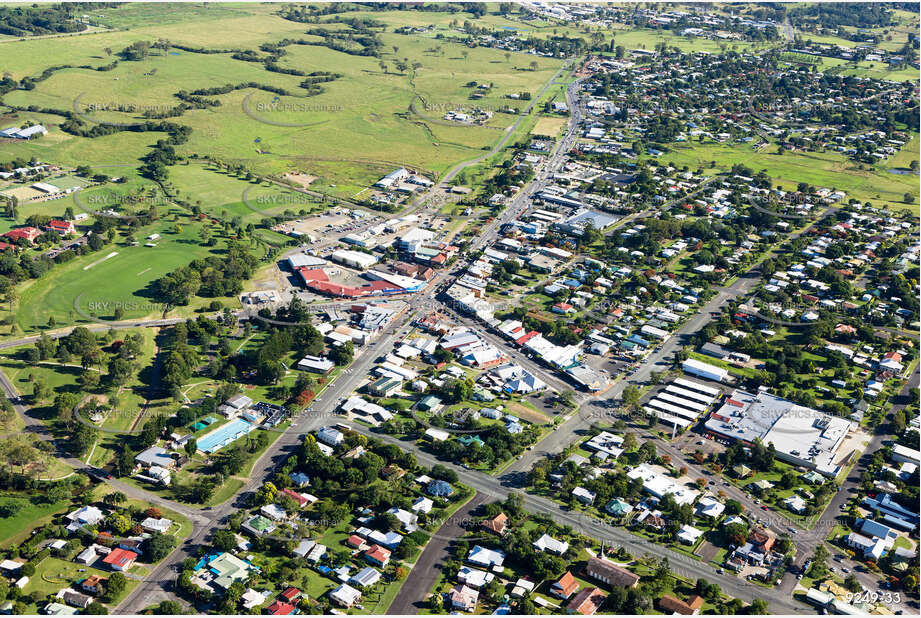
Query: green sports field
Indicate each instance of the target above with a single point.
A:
(86, 284)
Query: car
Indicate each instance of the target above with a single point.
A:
(764, 507)
(844, 570)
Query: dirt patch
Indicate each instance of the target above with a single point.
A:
(23, 194)
(551, 126)
(304, 180)
(526, 413)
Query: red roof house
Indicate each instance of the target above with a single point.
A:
(120, 559)
(378, 555)
(355, 541)
(28, 233)
(61, 227)
(301, 500)
(290, 595)
(280, 608)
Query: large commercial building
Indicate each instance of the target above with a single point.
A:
(800, 435)
(355, 259)
(705, 370)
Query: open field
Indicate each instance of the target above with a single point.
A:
(817, 168)
(368, 102)
(550, 126)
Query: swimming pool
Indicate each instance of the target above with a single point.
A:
(224, 435)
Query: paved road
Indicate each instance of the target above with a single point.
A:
(499, 489)
(412, 596)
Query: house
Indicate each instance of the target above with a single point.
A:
(439, 489)
(618, 507)
(436, 435)
(316, 364)
(28, 234)
(378, 555)
(74, 598)
(300, 499)
(9, 567)
(484, 557)
(280, 608)
(562, 308)
(52, 609)
(549, 544)
(422, 505)
(586, 601)
(155, 456)
(221, 570)
(366, 577)
(88, 556)
(796, 504)
(252, 599)
(583, 495)
(64, 228)
(274, 512)
(708, 506)
(609, 573)
(409, 521)
(689, 534)
(330, 436)
(94, 584)
(523, 586)
(258, 525)
(475, 578)
(463, 598)
(303, 548)
(84, 516)
(356, 542)
(430, 403)
(497, 524)
(161, 525)
(345, 595)
(120, 559)
(290, 595)
(671, 605)
(564, 587)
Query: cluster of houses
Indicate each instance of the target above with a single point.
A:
(483, 565)
(371, 549)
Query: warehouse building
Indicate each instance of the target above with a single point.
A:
(705, 370)
(800, 435)
(354, 259)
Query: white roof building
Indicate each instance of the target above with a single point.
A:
(549, 544)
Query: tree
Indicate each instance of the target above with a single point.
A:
(224, 540)
(169, 608)
(908, 198)
(819, 567)
(114, 498)
(96, 609)
(631, 395)
(343, 354)
(629, 442)
(191, 447)
(115, 585)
